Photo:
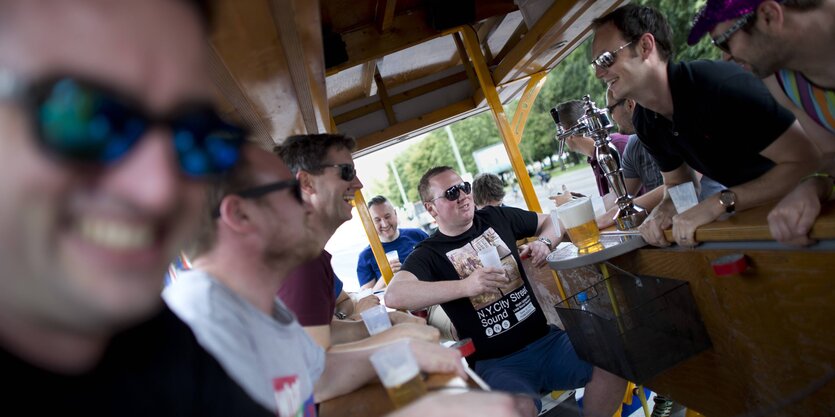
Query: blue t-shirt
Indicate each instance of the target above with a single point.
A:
(367, 268)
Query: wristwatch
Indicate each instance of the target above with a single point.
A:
(546, 241)
(340, 315)
(727, 199)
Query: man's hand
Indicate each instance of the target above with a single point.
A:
(607, 219)
(484, 281)
(652, 229)
(414, 331)
(398, 317)
(395, 265)
(537, 250)
(366, 303)
(685, 224)
(582, 144)
(792, 218)
(465, 404)
(434, 358)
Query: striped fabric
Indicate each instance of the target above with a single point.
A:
(817, 102)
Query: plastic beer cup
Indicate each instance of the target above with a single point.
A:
(399, 372)
(376, 319)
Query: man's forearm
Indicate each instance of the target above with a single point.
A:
(344, 372)
(345, 331)
(770, 186)
(415, 294)
(651, 199)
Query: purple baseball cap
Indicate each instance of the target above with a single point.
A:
(716, 12)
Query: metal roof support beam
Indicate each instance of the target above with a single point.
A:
(523, 107)
(485, 80)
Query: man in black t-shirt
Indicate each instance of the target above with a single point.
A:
(515, 348)
(97, 199)
(713, 117)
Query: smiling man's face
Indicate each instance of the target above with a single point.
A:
(622, 76)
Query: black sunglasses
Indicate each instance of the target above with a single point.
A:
(452, 193)
(722, 40)
(614, 106)
(346, 171)
(607, 58)
(262, 190)
(82, 122)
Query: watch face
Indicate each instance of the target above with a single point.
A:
(727, 198)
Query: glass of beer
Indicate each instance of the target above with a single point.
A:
(577, 216)
(399, 372)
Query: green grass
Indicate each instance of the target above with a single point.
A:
(556, 171)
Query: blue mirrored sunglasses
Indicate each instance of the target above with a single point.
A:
(83, 123)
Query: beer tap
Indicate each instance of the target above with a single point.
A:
(595, 123)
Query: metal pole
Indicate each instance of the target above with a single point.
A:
(400, 186)
(454, 145)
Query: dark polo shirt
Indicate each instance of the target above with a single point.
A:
(723, 118)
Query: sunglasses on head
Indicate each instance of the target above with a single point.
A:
(722, 40)
(346, 171)
(81, 122)
(614, 106)
(607, 58)
(262, 190)
(452, 193)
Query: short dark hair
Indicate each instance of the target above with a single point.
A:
(236, 179)
(633, 21)
(570, 112)
(423, 185)
(487, 188)
(377, 199)
(305, 152)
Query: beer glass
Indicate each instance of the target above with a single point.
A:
(577, 217)
(399, 372)
(376, 319)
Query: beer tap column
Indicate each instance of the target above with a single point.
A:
(597, 122)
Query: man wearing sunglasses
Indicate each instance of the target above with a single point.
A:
(780, 41)
(100, 188)
(393, 238)
(255, 230)
(516, 350)
(711, 116)
(325, 169)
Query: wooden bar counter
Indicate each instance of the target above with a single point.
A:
(772, 327)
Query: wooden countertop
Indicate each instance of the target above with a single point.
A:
(752, 224)
(372, 400)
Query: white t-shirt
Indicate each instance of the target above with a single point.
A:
(272, 358)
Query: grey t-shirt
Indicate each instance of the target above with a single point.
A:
(272, 358)
(638, 163)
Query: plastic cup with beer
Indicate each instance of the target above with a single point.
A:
(392, 256)
(577, 216)
(489, 257)
(376, 319)
(399, 372)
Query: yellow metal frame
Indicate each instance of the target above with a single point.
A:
(373, 238)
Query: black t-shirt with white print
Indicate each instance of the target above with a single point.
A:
(498, 324)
